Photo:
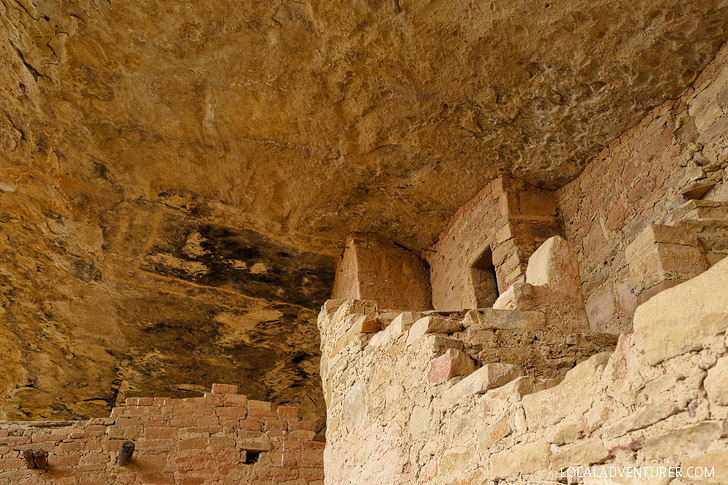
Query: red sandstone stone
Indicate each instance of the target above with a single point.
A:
(295, 425)
(251, 425)
(452, 363)
(262, 413)
(301, 435)
(276, 424)
(287, 412)
(225, 388)
(235, 400)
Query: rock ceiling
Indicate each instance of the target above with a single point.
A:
(176, 177)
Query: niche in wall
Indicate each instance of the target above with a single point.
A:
(484, 280)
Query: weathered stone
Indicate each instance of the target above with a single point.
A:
(554, 264)
(683, 442)
(565, 433)
(432, 324)
(487, 377)
(519, 296)
(716, 383)
(553, 404)
(642, 418)
(354, 406)
(521, 459)
(362, 324)
(452, 363)
(713, 468)
(584, 453)
(697, 190)
(666, 326)
(403, 322)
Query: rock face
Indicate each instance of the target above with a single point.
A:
(176, 176)
(307, 115)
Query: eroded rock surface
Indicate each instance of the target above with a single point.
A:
(176, 176)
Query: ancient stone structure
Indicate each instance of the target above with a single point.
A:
(223, 437)
(511, 219)
(482, 396)
(516, 374)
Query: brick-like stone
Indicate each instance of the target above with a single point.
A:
(432, 324)
(452, 363)
(521, 459)
(287, 412)
(224, 389)
(487, 377)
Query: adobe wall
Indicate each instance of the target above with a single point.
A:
(178, 441)
(638, 180)
(417, 402)
(509, 217)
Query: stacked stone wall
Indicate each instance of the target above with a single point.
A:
(638, 180)
(222, 438)
(410, 402)
(510, 218)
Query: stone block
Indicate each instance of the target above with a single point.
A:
(663, 253)
(491, 318)
(403, 322)
(554, 264)
(716, 382)
(715, 462)
(224, 389)
(432, 324)
(551, 405)
(287, 412)
(518, 297)
(254, 443)
(642, 418)
(583, 453)
(683, 442)
(452, 363)
(522, 459)
(667, 325)
(487, 377)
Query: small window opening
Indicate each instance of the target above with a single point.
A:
(251, 457)
(485, 281)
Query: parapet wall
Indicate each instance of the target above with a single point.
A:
(223, 437)
(412, 397)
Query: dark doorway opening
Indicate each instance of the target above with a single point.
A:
(485, 281)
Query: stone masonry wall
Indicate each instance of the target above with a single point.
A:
(376, 268)
(510, 218)
(638, 180)
(410, 404)
(221, 438)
